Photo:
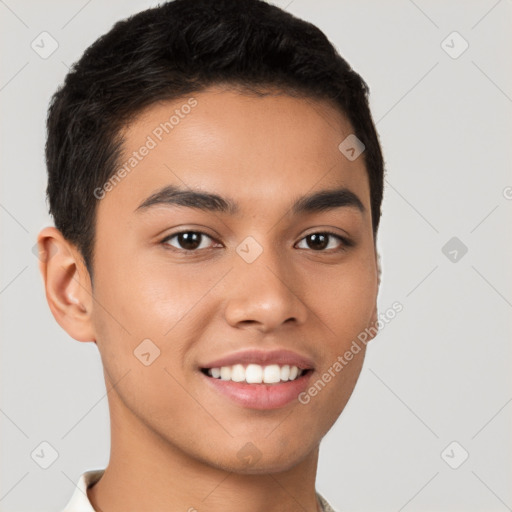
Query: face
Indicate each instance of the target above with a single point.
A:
(246, 283)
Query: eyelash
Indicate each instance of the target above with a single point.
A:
(345, 242)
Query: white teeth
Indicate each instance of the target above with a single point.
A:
(256, 374)
(285, 372)
(225, 373)
(237, 373)
(271, 374)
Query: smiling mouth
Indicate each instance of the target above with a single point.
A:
(256, 374)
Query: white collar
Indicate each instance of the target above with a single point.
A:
(79, 501)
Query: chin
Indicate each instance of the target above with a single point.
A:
(254, 462)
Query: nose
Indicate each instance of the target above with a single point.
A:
(264, 294)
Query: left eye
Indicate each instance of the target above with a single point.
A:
(321, 241)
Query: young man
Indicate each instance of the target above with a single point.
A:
(216, 183)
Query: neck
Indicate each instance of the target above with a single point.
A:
(147, 472)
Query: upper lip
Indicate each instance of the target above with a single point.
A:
(262, 357)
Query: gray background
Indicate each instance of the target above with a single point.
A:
(438, 373)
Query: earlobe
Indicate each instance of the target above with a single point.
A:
(67, 284)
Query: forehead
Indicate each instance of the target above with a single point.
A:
(256, 147)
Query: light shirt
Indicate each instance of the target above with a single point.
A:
(79, 501)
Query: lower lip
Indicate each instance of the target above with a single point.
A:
(261, 396)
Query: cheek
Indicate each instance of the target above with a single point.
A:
(148, 296)
(169, 296)
(345, 300)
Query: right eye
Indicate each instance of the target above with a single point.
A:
(187, 241)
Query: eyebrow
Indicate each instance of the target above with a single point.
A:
(321, 201)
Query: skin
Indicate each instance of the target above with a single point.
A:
(174, 439)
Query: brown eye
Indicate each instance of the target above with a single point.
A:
(187, 240)
(318, 241)
(325, 240)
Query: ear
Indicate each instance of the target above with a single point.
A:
(67, 284)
